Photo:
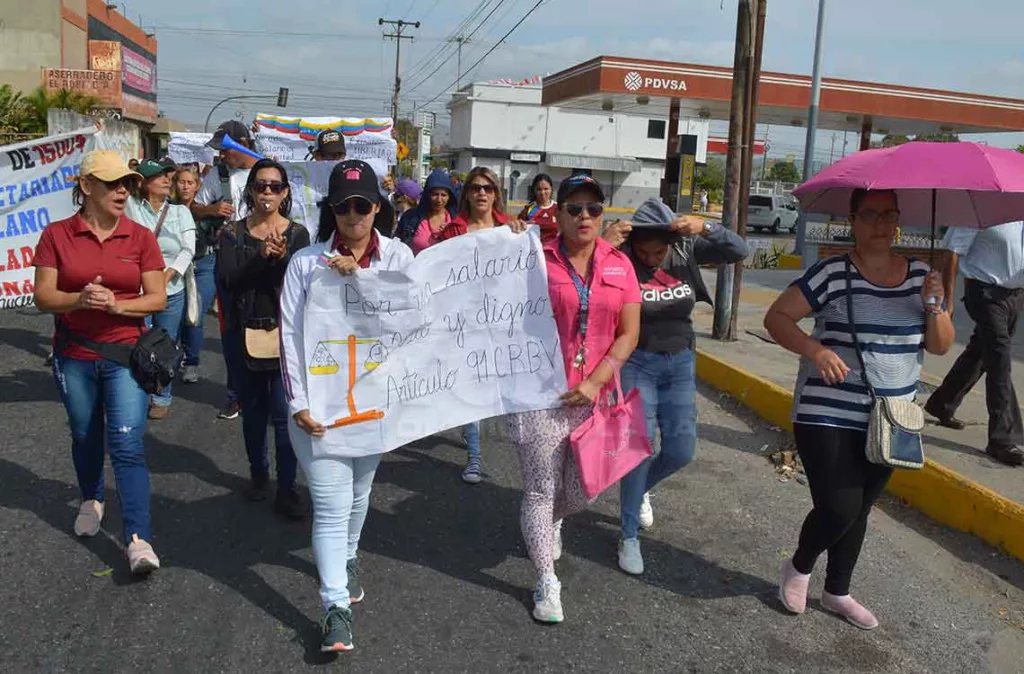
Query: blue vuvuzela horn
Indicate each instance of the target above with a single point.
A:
(230, 143)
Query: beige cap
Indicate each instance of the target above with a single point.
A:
(106, 165)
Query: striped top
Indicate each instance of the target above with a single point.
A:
(890, 327)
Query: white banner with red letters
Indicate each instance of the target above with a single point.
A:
(36, 178)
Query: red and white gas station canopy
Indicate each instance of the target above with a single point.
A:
(635, 85)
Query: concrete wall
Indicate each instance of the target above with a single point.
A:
(76, 47)
(29, 39)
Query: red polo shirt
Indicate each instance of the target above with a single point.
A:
(70, 247)
(460, 225)
(372, 250)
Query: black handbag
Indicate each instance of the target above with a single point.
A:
(154, 360)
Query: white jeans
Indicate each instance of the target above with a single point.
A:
(340, 491)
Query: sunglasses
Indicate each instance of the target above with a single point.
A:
(275, 186)
(127, 182)
(486, 188)
(360, 205)
(871, 217)
(575, 209)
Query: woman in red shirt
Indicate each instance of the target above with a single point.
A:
(542, 209)
(481, 205)
(89, 271)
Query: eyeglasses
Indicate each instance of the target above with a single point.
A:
(275, 186)
(360, 205)
(871, 217)
(127, 182)
(486, 188)
(575, 208)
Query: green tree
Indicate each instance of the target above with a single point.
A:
(892, 140)
(12, 109)
(711, 176)
(1020, 148)
(38, 103)
(784, 172)
(940, 137)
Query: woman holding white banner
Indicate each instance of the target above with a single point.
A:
(595, 298)
(100, 304)
(175, 232)
(346, 241)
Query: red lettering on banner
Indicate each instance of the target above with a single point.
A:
(28, 255)
(12, 260)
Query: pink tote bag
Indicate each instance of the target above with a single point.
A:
(612, 442)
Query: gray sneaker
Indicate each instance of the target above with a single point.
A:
(630, 559)
(355, 588)
(190, 374)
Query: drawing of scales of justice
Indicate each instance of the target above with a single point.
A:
(324, 363)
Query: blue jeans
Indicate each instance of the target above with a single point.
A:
(107, 408)
(170, 319)
(206, 284)
(471, 434)
(667, 386)
(262, 397)
(340, 491)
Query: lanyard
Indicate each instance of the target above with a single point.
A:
(583, 291)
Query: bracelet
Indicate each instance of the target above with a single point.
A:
(614, 362)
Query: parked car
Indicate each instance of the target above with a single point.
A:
(771, 212)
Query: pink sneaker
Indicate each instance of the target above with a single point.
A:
(847, 607)
(141, 558)
(90, 516)
(793, 588)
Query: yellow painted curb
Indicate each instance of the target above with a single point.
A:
(791, 262)
(943, 494)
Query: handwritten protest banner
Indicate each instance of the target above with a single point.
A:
(289, 138)
(190, 148)
(36, 178)
(465, 333)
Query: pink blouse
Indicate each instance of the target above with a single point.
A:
(424, 238)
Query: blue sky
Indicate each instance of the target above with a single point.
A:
(337, 64)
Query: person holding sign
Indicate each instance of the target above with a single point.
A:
(595, 297)
(346, 242)
(175, 232)
(251, 261)
(89, 272)
(667, 252)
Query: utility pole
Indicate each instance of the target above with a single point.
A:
(764, 158)
(759, 8)
(832, 149)
(812, 123)
(733, 164)
(460, 40)
(400, 26)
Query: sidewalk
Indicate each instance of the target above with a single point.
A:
(962, 451)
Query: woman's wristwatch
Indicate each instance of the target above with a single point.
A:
(708, 228)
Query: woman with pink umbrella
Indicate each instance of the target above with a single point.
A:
(894, 321)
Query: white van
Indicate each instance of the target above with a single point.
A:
(771, 212)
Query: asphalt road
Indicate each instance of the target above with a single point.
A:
(448, 584)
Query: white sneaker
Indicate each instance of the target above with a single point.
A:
(90, 516)
(646, 513)
(630, 559)
(556, 544)
(141, 558)
(190, 374)
(547, 601)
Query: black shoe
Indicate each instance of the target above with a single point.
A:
(230, 411)
(1011, 456)
(355, 588)
(948, 422)
(336, 630)
(289, 503)
(258, 489)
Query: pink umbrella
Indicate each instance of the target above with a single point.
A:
(948, 184)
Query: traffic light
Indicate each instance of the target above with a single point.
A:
(282, 97)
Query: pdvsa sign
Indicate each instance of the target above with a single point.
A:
(634, 81)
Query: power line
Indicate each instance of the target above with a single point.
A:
(272, 33)
(489, 51)
(438, 51)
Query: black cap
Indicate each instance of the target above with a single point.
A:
(575, 183)
(352, 178)
(238, 132)
(330, 141)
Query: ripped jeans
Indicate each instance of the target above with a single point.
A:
(107, 409)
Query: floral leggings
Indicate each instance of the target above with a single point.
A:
(551, 487)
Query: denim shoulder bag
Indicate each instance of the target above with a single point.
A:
(894, 430)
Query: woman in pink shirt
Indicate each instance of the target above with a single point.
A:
(420, 227)
(595, 297)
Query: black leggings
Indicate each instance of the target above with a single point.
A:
(844, 486)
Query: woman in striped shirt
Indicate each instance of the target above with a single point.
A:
(831, 405)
